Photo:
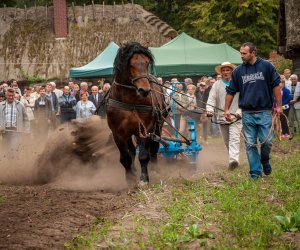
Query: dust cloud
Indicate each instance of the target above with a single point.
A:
(76, 156)
(82, 157)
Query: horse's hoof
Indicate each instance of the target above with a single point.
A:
(143, 184)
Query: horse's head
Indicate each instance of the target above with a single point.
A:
(131, 67)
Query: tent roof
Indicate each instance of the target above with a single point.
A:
(102, 65)
(185, 55)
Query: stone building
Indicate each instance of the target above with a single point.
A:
(48, 41)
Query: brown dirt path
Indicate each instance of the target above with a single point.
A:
(47, 216)
(40, 217)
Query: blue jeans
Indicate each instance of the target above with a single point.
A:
(257, 125)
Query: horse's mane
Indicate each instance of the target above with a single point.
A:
(121, 63)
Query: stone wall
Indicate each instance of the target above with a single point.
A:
(28, 45)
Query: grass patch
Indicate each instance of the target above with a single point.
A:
(2, 199)
(87, 240)
(223, 210)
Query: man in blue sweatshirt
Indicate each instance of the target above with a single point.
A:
(257, 82)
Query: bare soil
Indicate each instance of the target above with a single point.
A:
(40, 217)
(48, 195)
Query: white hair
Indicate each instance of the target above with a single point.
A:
(106, 85)
(294, 76)
(83, 83)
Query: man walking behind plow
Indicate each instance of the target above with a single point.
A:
(257, 82)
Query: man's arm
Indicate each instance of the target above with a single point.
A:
(228, 101)
(278, 98)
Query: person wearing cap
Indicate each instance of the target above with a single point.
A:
(230, 131)
(257, 81)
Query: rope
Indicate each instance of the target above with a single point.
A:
(189, 97)
(275, 115)
(225, 123)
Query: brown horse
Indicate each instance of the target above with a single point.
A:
(136, 108)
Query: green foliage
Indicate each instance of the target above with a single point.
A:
(234, 22)
(281, 64)
(2, 199)
(193, 233)
(87, 239)
(291, 224)
(32, 79)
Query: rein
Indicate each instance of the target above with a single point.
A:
(274, 117)
(189, 96)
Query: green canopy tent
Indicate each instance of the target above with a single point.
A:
(187, 56)
(102, 65)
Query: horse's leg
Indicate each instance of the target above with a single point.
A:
(132, 152)
(144, 158)
(125, 158)
(154, 146)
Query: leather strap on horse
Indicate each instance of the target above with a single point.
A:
(129, 107)
(124, 86)
(102, 103)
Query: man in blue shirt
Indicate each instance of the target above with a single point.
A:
(257, 82)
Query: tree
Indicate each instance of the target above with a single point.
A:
(234, 22)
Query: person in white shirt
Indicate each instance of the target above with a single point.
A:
(230, 131)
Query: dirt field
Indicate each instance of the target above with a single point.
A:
(46, 216)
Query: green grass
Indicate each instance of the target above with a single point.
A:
(224, 210)
(88, 238)
(2, 199)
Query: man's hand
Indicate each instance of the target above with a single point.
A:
(278, 110)
(209, 114)
(1, 130)
(227, 115)
(238, 116)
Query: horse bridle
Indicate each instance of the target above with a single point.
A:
(132, 82)
(139, 77)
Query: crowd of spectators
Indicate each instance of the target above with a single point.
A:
(41, 108)
(188, 97)
(290, 122)
(47, 106)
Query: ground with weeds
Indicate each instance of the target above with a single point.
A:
(209, 208)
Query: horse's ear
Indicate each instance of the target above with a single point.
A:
(123, 44)
(146, 44)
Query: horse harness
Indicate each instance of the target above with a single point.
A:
(157, 112)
